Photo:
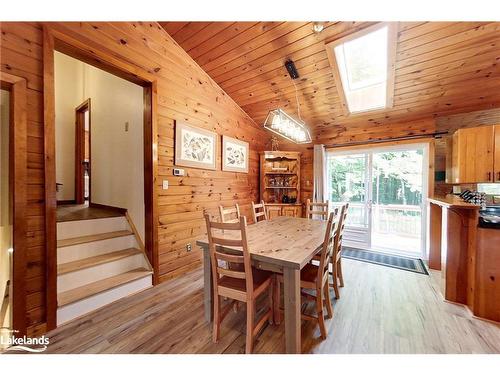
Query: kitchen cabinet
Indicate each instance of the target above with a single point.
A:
(473, 155)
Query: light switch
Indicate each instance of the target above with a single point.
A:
(165, 184)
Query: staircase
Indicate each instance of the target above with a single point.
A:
(98, 262)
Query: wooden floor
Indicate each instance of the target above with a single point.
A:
(381, 310)
(72, 212)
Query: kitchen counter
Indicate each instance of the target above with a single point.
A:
(466, 255)
(451, 200)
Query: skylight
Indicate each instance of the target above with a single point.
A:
(362, 69)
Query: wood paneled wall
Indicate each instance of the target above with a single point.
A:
(21, 55)
(185, 92)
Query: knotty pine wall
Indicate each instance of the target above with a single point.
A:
(185, 92)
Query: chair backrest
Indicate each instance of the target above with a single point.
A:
(328, 247)
(340, 229)
(317, 208)
(230, 214)
(225, 234)
(259, 214)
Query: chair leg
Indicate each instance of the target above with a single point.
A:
(319, 311)
(329, 307)
(270, 296)
(335, 281)
(250, 319)
(277, 299)
(339, 266)
(216, 327)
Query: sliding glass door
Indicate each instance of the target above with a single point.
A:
(385, 188)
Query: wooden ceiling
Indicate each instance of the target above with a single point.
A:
(441, 68)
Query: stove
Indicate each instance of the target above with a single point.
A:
(489, 217)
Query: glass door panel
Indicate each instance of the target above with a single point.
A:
(397, 196)
(347, 179)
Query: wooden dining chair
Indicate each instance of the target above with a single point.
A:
(317, 208)
(337, 277)
(240, 286)
(315, 276)
(257, 213)
(229, 214)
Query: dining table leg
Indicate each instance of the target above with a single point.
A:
(291, 286)
(207, 285)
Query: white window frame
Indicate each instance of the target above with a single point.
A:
(392, 32)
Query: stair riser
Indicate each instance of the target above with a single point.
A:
(70, 229)
(89, 249)
(88, 275)
(82, 307)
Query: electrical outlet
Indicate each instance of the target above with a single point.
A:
(188, 247)
(165, 185)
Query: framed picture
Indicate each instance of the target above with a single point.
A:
(195, 147)
(234, 155)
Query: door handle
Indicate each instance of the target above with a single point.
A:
(498, 176)
(489, 176)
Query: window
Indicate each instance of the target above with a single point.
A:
(363, 65)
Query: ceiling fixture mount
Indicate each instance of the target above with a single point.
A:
(318, 27)
(292, 70)
(281, 123)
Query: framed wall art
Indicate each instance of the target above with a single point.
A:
(195, 147)
(234, 155)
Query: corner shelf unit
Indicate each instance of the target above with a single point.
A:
(279, 177)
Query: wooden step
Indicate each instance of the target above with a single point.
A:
(92, 238)
(95, 260)
(85, 291)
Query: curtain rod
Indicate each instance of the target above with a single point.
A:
(418, 136)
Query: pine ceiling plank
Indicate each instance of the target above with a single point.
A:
(192, 28)
(441, 68)
(455, 39)
(220, 38)
(173, 27)
(333, 31)
(266, 40)
(235, 42)
(453, 28)
(207, 33)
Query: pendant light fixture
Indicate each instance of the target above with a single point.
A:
(281, 123)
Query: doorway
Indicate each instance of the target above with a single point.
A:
(97, 57)
(386, 189)
(82, 153)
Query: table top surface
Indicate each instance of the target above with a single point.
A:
(285, 241)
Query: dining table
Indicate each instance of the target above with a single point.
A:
(282, 245)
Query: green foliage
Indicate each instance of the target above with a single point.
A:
(397, 177)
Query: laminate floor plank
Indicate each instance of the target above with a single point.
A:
(381, 310)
